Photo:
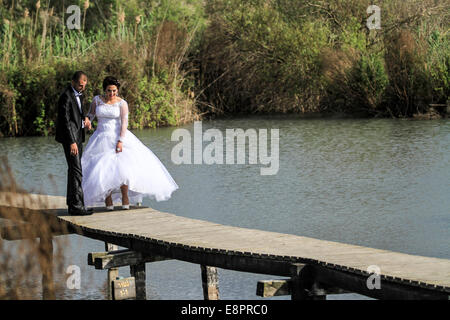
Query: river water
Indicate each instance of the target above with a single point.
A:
(380, 183)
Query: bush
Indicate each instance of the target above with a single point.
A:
(297, 56)
(355, 82)
(153, 108)
(409, 91)
(143, 43)
(256, 59)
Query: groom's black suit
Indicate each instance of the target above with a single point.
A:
(69, 130)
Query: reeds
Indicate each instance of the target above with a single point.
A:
(42, 44)
(264, 57)
(45, 26)
(24, 263)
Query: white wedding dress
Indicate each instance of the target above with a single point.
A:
(104, 170)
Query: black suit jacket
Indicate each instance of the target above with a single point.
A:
(69, 121)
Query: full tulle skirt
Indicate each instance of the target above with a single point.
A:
(105, 171)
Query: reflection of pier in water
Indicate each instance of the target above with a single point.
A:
(314, 268)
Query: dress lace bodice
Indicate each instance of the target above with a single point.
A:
(111, 118)
(105, 170)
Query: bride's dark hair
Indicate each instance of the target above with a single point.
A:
(110, 81)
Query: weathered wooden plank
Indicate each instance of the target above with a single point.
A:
(388, 290)
(157, 228)
(368, 258)
(138, 272)
(126, 225)
(113, 273)
(92, 255)
(282, 287)
(120, 258)
(228, 260)
(210, 282)
(304, 283)
(272, 288)
(185, 232)
(123, 289)
(224, 233)
(439, 272)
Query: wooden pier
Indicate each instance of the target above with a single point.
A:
(313, 268)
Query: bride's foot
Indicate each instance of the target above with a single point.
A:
(109, 204)
(125, 203)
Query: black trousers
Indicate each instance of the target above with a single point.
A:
(74, 199)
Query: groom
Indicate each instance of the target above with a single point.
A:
(70, 125)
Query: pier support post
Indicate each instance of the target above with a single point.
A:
(138, 272)
(113, 273)
(210, 282)
(46, 264)
(304, 286)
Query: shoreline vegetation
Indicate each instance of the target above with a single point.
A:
(181, 61)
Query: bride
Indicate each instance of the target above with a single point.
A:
(116, 165)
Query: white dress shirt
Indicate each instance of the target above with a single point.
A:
(79, 105)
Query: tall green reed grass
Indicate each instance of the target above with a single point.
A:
(41, 52)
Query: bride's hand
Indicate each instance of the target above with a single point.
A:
(119, 146)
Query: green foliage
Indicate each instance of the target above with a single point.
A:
(410, 86)
(134, 40)
(153, 106)
(438, 60)
(236, 56)
(294, 55)
(262, 60)
(42, 123)
(353, 36)
(37, 89)
(358, 85)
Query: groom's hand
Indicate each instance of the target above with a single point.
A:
(87, 123)
(73, 149)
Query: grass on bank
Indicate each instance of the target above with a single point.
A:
(179, 60)
(143, 43)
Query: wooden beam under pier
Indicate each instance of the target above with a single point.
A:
(282, 287)
(120, 258)
(210, 282)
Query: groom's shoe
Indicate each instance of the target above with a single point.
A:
(80, 212)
